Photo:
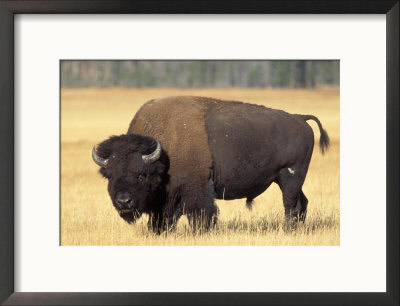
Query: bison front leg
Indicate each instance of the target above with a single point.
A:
(155, 223)
(159, 223)
(201, 210)
(203, 219)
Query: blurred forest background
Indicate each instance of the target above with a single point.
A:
(200, 74)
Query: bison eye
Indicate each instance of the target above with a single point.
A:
(140, 178)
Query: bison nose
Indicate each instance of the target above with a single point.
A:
(124, 200)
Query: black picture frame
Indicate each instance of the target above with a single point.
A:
(7, 11)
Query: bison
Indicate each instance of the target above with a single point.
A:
(180, 153)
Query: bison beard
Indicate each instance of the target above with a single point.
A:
(180, 153)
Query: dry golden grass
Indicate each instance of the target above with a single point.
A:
(89, 116)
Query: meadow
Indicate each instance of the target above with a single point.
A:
(88, 116)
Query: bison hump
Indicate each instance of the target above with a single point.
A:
(178, 123)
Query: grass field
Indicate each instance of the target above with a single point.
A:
(88, 116)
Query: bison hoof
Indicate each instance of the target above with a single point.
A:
(291, 224)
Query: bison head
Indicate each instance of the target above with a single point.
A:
(136, 168)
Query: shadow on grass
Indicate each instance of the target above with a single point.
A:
(266, 224)
(257, 225)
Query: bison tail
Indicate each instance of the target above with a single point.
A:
(324, 138)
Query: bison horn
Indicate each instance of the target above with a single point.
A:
(102, 162)
(152, 157)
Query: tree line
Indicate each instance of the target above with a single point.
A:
(180, 74)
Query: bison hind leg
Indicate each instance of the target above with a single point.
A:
(290, 181)
(249, 203)
(304, 203)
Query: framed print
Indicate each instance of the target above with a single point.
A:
(171, 153)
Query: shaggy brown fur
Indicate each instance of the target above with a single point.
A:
(178, 123)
